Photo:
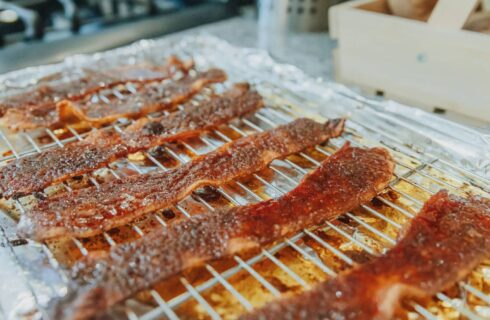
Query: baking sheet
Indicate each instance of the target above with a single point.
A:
(29, 280)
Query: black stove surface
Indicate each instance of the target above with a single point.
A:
(34, 32)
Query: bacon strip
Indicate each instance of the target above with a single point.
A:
(149, 98)
(89, 211)
(42, 99)
(347, 179)
(445, 242)
(99, 148)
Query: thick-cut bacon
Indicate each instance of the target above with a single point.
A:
(99, 148)
(41, 100)
(149, 98)
(89, 211)
(448, 239)
(347, 179)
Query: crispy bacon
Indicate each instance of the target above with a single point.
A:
(89, 211)
(99, 148)
(43, 98)
(445, 242)
(347, 179)
(149, 98)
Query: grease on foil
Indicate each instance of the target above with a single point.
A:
(431, 137)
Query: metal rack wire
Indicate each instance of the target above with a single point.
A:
(415, 178)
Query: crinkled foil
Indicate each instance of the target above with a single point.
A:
(27, 280)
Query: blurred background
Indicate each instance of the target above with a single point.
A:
(34, 32)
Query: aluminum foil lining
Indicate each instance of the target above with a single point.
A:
(26, 278)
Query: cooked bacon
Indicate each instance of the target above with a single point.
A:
(350, 177)
(149, 98)
(445, 242)
(89, 211)
(99, 148)
(43, 98)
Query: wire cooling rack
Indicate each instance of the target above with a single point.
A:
(230, 287)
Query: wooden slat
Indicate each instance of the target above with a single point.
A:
(452, 14)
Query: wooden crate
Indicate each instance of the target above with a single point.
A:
(429, 64)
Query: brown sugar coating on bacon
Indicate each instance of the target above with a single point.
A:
(342, 182)
(99, 148)
(38, 106)
(89, 211)
(447, 240)
(149, 99)
(239, 101)
(34, 173)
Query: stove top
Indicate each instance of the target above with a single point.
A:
(34, 32)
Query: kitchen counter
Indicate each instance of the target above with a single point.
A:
(311, 52)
